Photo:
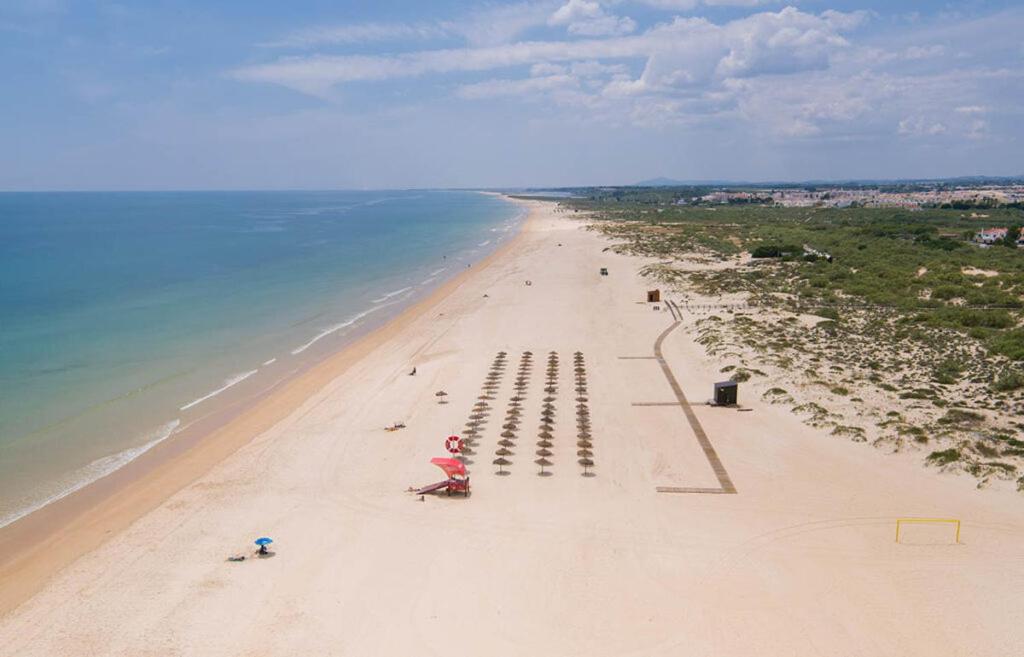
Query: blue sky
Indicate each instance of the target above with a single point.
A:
(258, 94)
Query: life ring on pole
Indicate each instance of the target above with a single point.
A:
(453, 444)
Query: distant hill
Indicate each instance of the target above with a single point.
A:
(660, 182)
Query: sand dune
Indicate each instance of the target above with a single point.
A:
(799, 561)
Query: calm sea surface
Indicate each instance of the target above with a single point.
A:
(124, 316)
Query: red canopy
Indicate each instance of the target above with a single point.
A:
(451, 467)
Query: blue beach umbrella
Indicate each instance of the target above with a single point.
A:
(263, 542)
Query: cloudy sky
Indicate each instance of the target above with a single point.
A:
(254, 94)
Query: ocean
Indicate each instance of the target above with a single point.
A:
(125, 316)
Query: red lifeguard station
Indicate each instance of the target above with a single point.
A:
(457, 479)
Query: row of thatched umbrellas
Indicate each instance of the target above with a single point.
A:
(583, 435)
(515, 410)
(547, 415)
(481, 409)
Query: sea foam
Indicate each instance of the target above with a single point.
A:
(236, 379)
(337, 327)
(95, 471)
(391, 294)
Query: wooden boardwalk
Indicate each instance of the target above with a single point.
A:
(724, 482)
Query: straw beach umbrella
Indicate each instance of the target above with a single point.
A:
(543, 463)
(441, 394)
(587, 464)
(501, 462)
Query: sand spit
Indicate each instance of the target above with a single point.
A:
(800, 559)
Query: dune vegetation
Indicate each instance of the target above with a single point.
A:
(887, 326)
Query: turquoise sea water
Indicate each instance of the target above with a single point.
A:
(125, 316)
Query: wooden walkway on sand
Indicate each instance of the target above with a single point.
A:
(725, 485)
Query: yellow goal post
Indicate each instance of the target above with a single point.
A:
(951, 521)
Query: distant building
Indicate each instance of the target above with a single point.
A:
(991, 235)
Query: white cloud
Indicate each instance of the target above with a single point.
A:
(812, 105)
(786, 74)
(483, 27)
(359, 33)
(546, 68)
(495, 88)
(924, 52)
(588, 18)
(687, 5)
(671, 5)
(496, 25)
(917, 126)
(685, 52)
(978, 129)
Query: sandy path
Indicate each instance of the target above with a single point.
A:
(801, 561)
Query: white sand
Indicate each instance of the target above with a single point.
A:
(801, 561)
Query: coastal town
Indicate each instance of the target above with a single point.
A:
(914, 197)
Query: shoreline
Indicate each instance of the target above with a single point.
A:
(38, 545)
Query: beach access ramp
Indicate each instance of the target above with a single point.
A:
(433, 487)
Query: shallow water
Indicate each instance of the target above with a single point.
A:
(124, 316)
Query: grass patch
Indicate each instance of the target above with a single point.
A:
(944, 457)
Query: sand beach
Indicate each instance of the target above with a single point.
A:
(704, 531)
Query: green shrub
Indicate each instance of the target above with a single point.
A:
(985, 449)
(828, 313)
(960, 416)
(945, 457)
(739, 376)
(948, 371)
(1009, 343)
(1007, 381)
